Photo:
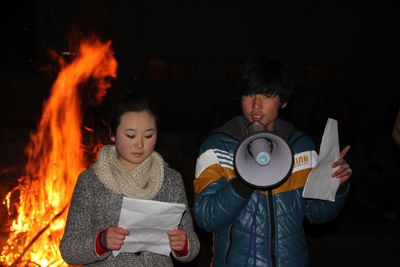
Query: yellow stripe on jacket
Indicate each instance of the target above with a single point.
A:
(209, 169)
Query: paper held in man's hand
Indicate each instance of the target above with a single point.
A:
(148, 222)
(320, 184)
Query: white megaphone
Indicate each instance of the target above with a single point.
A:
(262, 159)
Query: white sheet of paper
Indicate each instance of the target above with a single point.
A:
(148, 222)
(320, 184)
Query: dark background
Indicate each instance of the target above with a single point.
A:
(344, 57)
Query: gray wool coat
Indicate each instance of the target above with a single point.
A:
(94, 207)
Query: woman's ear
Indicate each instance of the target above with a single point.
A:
(111, 135)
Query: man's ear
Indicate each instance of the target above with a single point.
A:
(284, 105)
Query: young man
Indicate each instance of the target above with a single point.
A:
(260, 227)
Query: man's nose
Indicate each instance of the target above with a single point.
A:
(257, 102)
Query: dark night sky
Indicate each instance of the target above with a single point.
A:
(19, 33)
(336, 31)
(360, 38)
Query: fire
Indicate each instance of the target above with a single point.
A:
(55, 157)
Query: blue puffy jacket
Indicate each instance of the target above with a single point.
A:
(258, 228)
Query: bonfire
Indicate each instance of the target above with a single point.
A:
(38, 205)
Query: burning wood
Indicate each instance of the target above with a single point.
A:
(38, 205)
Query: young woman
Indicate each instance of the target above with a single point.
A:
(128, 168)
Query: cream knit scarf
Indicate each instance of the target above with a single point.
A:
(143, 182)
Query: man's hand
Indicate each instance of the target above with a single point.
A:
(344, 172)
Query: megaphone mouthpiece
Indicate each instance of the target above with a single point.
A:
(261, 149)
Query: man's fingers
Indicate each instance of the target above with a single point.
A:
(344, 151)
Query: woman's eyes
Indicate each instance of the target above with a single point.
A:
(146, 136)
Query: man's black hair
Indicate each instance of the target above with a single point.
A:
(265, 75)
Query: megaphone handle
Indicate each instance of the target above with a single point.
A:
(255, 127)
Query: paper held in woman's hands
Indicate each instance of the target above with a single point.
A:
(320, 184)
(148, 222)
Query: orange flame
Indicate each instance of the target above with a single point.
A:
(55, 159)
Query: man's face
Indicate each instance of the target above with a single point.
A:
(262, 108)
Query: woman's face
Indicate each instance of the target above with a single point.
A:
(262, 108)
(135, 138)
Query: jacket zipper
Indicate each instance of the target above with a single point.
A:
(273, 228)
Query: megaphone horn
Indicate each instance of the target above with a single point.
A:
(263, 159)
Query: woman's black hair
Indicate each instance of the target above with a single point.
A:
(265, 75)
(131, 103)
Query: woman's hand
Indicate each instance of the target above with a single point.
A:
(177, 239)
(113, 237)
